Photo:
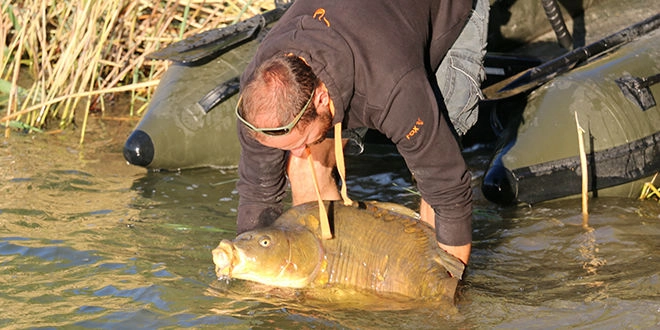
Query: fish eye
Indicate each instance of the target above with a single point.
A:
(264, 241)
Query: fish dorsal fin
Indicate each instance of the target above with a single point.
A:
(395, 208)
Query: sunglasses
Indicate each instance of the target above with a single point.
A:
(277, 131)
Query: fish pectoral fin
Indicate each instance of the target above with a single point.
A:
(453, 266)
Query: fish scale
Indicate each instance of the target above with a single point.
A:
(361, 266)
(347, 269)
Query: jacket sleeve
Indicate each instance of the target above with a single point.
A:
(416, 124)
(261, 183)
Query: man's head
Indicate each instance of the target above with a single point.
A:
(284, 105)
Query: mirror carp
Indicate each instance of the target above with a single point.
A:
(379, 248)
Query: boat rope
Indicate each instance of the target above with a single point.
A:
(341, 168)
(323, 213)
(339, 157)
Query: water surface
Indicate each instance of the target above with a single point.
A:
(87, 241)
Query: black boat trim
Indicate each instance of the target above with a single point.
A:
(219, 94)
(530, 79)
(213, 43)
(607, 168)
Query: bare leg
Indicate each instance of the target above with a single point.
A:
(300, 176)
(461, 252)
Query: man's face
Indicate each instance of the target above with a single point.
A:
(299, 138)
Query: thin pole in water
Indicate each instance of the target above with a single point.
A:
(585, 173)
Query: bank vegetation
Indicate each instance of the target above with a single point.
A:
(63, 61)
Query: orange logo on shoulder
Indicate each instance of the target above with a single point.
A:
(415, 128)
(319, 14)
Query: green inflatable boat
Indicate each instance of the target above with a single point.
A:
(190, 121)
(611, 86)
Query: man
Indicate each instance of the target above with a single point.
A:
(363, 64)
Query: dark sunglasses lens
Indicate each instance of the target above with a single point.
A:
(275, 132)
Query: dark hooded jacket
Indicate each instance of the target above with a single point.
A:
(378, 61)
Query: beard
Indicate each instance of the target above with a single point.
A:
(326, 122)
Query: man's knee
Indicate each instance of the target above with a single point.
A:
(461, 72)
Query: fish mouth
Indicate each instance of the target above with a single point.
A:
(224, 257)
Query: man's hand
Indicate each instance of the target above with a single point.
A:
(461, 252)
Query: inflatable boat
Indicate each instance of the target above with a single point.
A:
(610, 84)
(190, 122)
(612, 97)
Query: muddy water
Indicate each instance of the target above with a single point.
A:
(87, 241)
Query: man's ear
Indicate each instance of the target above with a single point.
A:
(321, 98)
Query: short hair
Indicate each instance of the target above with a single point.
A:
(282, 84)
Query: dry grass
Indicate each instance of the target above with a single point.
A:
(63, 57)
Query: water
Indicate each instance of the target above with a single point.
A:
(87, 241)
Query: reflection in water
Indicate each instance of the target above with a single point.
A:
(95, 243)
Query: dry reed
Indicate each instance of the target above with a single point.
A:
(62, 58)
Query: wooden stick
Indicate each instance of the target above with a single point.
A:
(585, 175)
